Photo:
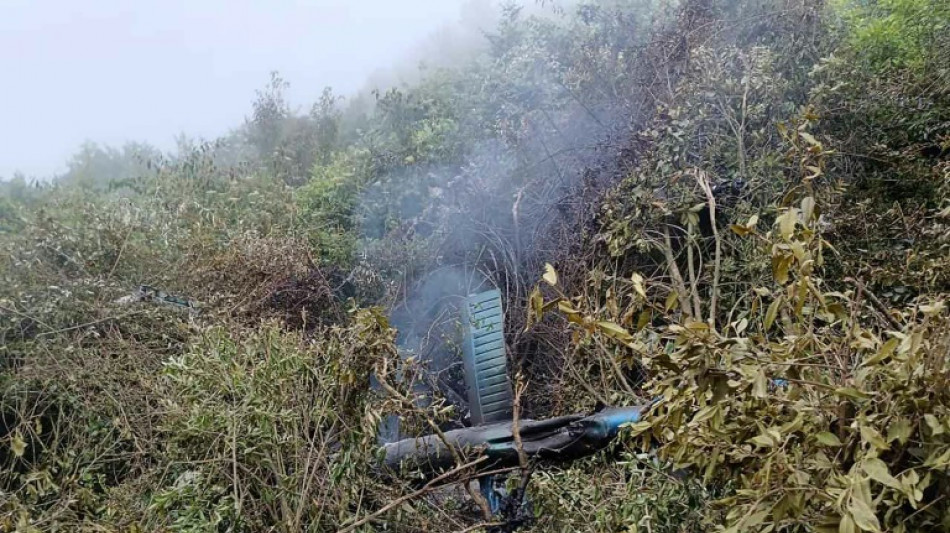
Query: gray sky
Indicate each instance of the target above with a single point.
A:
(147, 70)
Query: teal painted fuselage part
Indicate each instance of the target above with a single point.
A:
(485, 358)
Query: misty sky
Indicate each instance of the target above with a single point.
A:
(147, 70)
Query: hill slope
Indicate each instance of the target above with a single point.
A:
(745, 204)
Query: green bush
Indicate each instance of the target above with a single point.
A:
(327, 206)
(894, 34)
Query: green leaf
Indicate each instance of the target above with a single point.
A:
(750, 522)
(847, 525)
(851, 392)
(793, 426)
(936, 428)
(899, 430)
(886, 350)
(828, 438)
(863, 515)
(764, 440)
(936, 461)
(872, 437)
(879, 472)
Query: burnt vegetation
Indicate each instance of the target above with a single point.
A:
(737, 207)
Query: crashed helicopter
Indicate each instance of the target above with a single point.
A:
(492, 434)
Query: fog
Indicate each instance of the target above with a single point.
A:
(113, 71)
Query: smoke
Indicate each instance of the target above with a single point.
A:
(554, 132)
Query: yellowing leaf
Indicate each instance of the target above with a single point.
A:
(808, 208)
(772, 312)
(740, 230)
(933, 309)
(786, 222)
(565, 307)
(798, 250)
(17, 444)
(671, 300)
(643, 319)
(809, 138)
(615, 331)
(550, 275)
(780, 266)
(536, 310)
(637, 280)
(742, 325)
(837, 310)
(573, 315)
(705, 413)
(760, 385)
(638, 427)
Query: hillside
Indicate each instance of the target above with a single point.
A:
(738, 210)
